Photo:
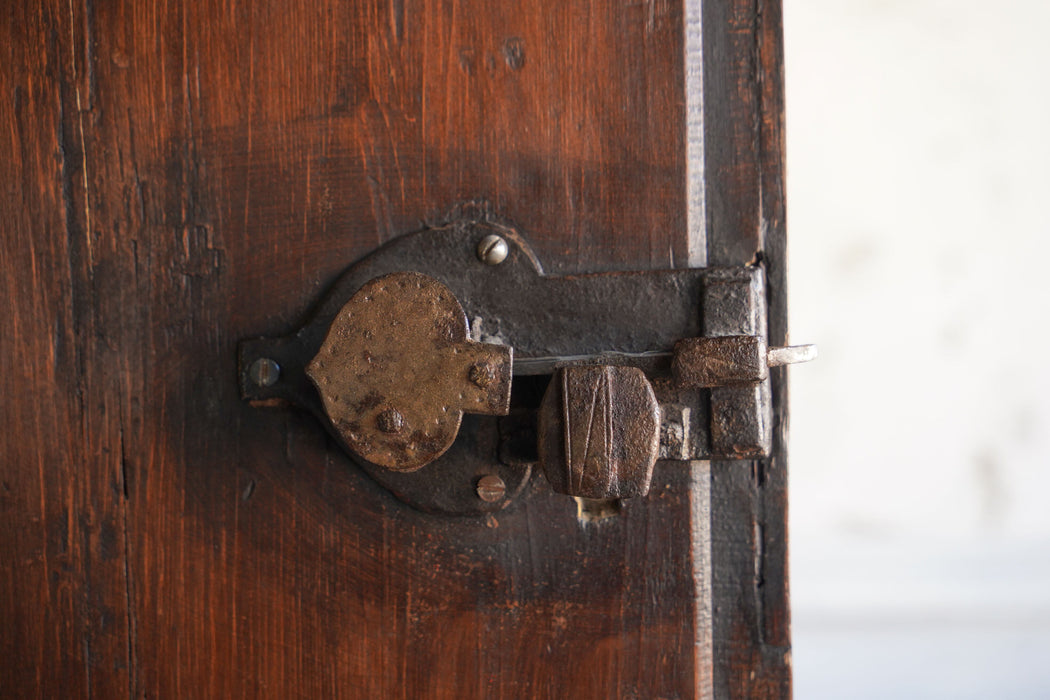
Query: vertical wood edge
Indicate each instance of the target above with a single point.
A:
(743, 110)
(774, 225)
(700, 521)
(696, 211)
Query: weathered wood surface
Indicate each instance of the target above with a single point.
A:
(180, 176)
(744, 111)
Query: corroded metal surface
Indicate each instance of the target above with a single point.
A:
(396, 372)
(703, 363)
(741, 418)
(599, 432)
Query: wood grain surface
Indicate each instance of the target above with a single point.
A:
(180, 176)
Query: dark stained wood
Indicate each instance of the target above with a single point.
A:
(744, 115)
(64, 603)
(179, 176)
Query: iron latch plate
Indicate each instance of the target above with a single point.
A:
(632, 319)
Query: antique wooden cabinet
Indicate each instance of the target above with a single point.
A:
(181, 176)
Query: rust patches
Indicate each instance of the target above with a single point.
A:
(723, 361)
(599, 432)
(396, 371)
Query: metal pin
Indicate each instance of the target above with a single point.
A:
(790, 355)
(695, 362)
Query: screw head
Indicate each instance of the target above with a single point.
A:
(390, 421)
(482, 374)
(491, 488)
(264, 372)
(492, 250)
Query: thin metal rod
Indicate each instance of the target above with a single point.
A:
(546, 365)
(526, 366)
(791, 355)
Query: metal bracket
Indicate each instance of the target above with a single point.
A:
(426, 334)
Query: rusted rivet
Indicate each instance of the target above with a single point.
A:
(492, 250)
(482, 374)
(390, 421)
(264, 372)
(491, 488)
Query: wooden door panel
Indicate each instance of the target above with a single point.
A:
(183, 176)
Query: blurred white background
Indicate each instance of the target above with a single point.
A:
(919, 227)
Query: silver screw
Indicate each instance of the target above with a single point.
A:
(491, 488)
(492, 250)
(264, 372)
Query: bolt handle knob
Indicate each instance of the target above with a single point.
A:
(599, 431)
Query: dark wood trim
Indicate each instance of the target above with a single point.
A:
(745, 212)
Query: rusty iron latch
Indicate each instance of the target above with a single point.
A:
(449, 365)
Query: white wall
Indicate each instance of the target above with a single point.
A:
(919, 230)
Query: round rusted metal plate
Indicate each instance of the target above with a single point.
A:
(396, 371)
